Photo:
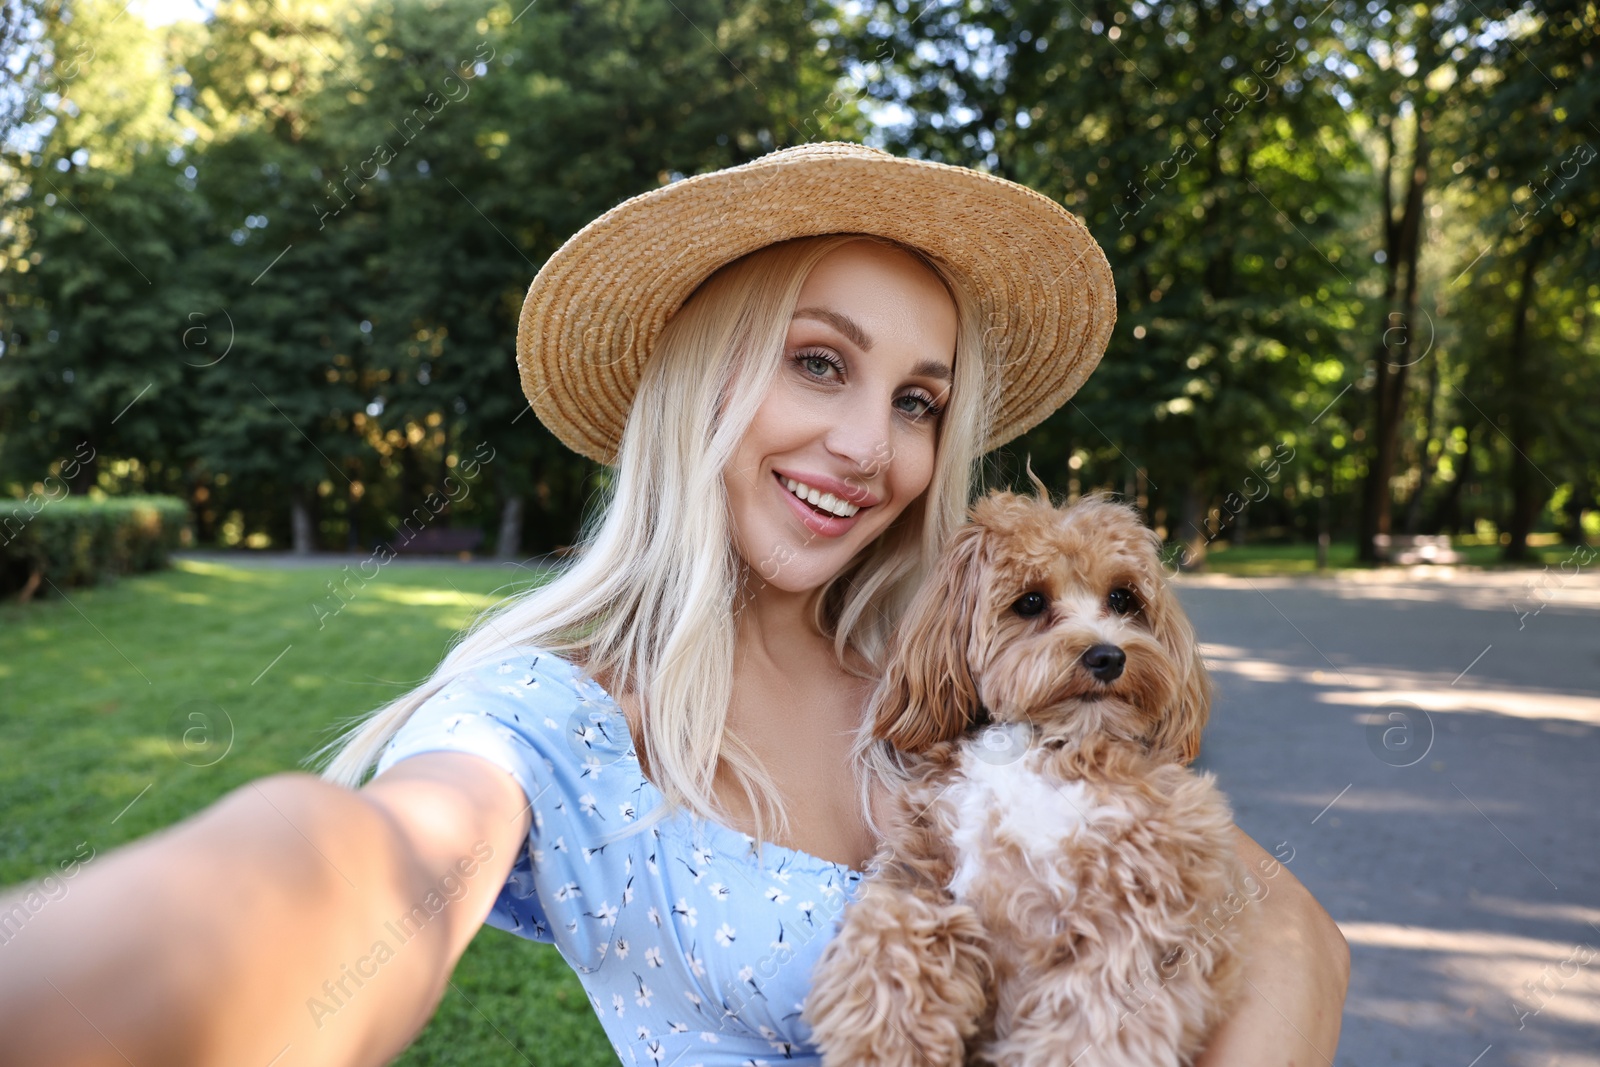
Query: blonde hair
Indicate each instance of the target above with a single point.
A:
(653, 602)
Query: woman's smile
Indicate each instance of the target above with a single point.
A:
(825, 514)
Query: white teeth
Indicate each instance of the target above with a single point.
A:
(825, 501)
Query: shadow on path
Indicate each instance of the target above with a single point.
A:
(1428, 749)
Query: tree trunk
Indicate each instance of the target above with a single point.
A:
(300, 525)
(1191, 528)
(508, 545)
(1582, 500)
(1448, 511)
(1527, 497)
(88, 473)
(1427, 461)
(1324, 537)
(201, 511)
(352, 514)
(1393, 352)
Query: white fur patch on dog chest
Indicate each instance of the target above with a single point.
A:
(1012, 803)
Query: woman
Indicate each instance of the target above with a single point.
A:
(795, 366)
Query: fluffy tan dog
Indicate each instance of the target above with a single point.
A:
(1054, 886)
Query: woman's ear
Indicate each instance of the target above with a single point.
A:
(928, 695)
(1184, 720)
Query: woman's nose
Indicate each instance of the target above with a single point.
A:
(862, 437)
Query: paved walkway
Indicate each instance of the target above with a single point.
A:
(1426, 748)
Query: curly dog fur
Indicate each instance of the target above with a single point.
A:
(1054, 885)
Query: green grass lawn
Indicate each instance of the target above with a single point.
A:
(97, 697)
(1271, 560)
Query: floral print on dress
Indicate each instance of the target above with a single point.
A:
(691, 949)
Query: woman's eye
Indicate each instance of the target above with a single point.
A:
(1122, 601)
(817, 363)
(928, 408)
(1030, 604)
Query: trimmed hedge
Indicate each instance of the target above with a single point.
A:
(77, 540)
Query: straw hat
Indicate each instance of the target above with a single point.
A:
(593, 313)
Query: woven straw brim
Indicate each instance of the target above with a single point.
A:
(593, 313)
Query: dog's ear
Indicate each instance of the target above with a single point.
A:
(1184, 719)
(928, 694)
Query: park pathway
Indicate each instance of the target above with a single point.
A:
(1422, 749)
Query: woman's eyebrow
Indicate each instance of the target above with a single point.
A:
(843, 323)
(928, 368)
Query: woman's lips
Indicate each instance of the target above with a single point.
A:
(817, 522)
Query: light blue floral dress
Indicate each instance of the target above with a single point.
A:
(692, 952)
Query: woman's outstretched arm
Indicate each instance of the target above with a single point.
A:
(291, 922)
(1297, 968)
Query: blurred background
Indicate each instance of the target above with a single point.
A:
(270, 263)
(261, 263)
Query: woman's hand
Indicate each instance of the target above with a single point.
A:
(249, 933)
(1296, 969)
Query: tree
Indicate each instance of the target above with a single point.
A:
(97, 220)
(557, 115)
(1204, 151)
(1532, 162)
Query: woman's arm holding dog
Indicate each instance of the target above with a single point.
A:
(247, 933)
(1297, 968)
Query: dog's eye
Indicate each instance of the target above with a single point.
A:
(1123, 601)
(1030, 604)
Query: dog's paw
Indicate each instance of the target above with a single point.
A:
(904, 983)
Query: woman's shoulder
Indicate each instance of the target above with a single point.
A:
(527, 669)
(527, 699)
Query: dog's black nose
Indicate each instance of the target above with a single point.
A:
(1105, 662)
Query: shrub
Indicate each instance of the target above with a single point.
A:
(78, 540)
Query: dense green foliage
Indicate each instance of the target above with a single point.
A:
(272, 263)
(75, 540)
(1295, 199)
